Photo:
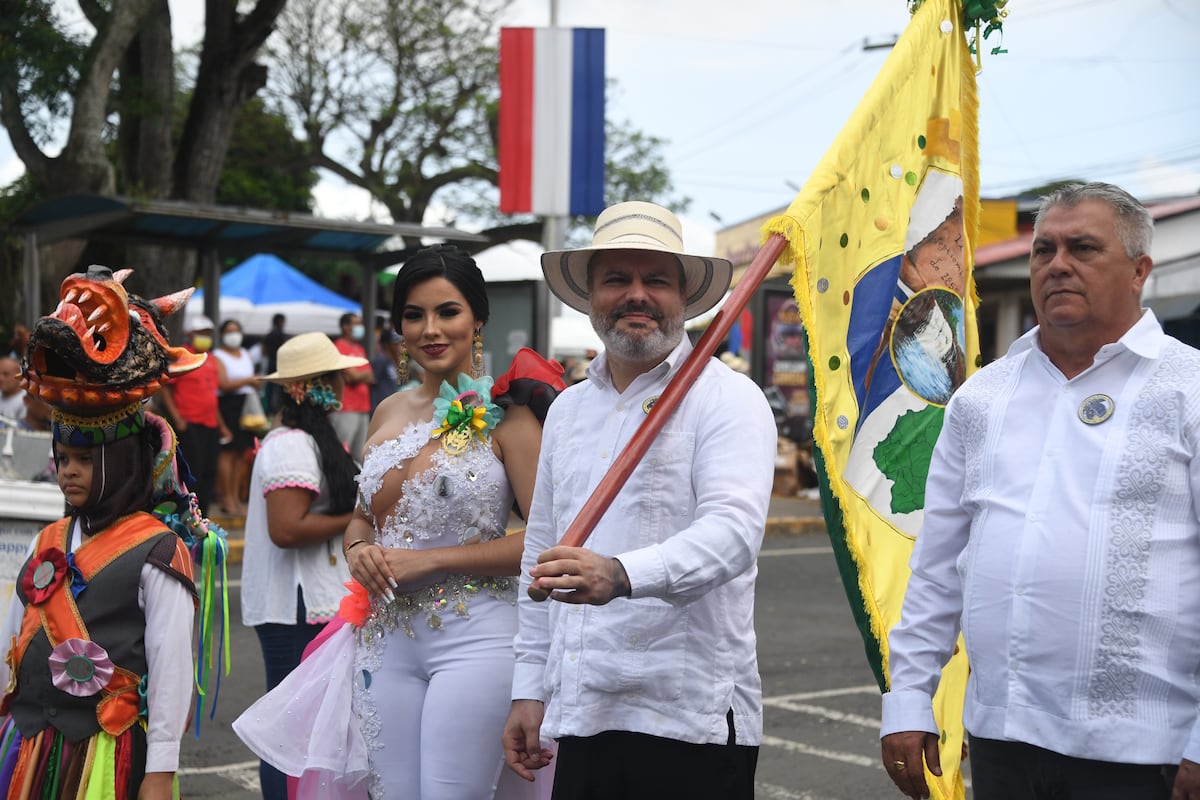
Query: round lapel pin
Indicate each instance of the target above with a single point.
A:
(1096, 409)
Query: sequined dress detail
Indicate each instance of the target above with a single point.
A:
(459, 499)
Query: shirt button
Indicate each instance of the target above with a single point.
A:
(573, 657)
(604, 454)
(620, 406)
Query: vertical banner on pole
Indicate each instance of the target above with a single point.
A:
(551, 127)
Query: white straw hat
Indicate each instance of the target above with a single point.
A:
(309, 355)
(637, 226)
(199, 323)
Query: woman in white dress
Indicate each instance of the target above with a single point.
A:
(409, 699)
(441, 468)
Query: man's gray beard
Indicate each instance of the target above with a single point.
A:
(636, 346)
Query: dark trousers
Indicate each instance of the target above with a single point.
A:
(1018, 771)
(200, 447)
(282, 646)
(637, 766)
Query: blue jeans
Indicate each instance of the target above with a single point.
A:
(282, 646)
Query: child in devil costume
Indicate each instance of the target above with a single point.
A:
(98, 673)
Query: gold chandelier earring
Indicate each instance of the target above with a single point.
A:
(477, 355)
(402, 365)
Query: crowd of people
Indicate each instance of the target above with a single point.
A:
(476, 656)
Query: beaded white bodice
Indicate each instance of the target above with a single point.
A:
(459, 499)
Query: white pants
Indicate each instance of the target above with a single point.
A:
(442, 699)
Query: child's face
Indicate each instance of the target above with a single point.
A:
(75, 473)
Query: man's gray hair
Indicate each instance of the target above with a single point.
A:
(1135, 226)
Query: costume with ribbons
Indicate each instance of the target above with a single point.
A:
(389, 682)
(98, 665)
(79, 661)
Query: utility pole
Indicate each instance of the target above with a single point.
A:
(554, 228)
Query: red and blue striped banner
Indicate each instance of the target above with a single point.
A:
(551, 132)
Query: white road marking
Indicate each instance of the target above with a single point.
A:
(868, 688)
(831, 714)
(796, 551)
(820, 752)
(218, 769)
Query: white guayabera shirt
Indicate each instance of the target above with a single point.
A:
(1061, 526)
(676, 656)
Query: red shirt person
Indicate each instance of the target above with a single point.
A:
(351, 422)
(190, 404)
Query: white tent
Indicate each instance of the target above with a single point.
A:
(302, 316)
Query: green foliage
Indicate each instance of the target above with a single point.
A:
(400, 98)
(266, 166)
(903, 456)
(46, 59)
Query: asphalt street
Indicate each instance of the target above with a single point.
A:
(822, 704)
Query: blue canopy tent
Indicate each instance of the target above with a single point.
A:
(264, 285)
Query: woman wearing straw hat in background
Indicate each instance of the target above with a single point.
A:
(301, 497)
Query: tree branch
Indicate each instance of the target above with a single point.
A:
(36, 162)
(117, 30)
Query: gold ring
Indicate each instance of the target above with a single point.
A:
(900, 766)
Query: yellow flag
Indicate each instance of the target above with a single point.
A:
(882, 238)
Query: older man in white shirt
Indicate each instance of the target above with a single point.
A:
(642, 664)
(1062, 532)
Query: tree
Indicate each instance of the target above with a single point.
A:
(109, 98)
(400, 98)
(267, 167)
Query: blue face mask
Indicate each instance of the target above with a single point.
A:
(357, 332)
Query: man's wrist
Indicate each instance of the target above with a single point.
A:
(620, 579)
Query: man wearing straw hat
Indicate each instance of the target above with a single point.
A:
(642, 664)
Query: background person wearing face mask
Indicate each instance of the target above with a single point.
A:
(190, 403)
(355, 415)
(236, 379)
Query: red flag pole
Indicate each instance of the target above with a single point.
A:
(606, 491)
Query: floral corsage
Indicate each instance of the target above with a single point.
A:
(466, 412)
(45, 572)
(80, 667)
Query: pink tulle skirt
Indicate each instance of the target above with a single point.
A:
(306, 728)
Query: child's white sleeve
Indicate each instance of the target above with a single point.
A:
(169, 615)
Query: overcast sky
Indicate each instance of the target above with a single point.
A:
(750, 94)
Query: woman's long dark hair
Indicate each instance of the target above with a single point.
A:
(122, 480)
(336, 464)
